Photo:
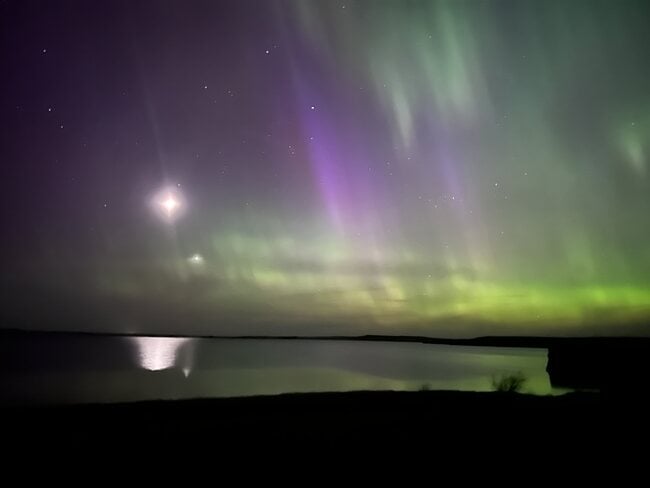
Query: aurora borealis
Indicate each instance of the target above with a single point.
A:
(444, 168)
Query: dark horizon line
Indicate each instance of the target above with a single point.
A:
(501, 341)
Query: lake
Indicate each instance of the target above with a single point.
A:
(77, 368)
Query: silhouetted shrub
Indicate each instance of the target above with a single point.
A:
(509, 383)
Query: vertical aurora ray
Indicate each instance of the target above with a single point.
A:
(435, 167)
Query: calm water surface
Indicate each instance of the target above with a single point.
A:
(75, 368)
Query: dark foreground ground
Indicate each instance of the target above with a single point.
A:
(469, 424)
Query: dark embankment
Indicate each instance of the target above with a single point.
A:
(440, 420)
(616, 366)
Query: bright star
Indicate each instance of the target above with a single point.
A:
(168, 203)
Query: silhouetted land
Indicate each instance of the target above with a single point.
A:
(491, 341)
(464, 425)
(461, 423)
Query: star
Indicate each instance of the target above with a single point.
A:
(170, 204)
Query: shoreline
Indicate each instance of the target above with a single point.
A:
(484, 341)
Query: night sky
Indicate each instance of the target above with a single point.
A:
(325, 167)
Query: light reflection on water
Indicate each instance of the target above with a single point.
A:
(158, 353)
(76, 369)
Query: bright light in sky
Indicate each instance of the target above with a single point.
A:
(169, 203)
(457, 181)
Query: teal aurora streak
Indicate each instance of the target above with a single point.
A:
(451, 168)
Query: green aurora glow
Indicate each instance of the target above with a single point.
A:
(449, 168)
